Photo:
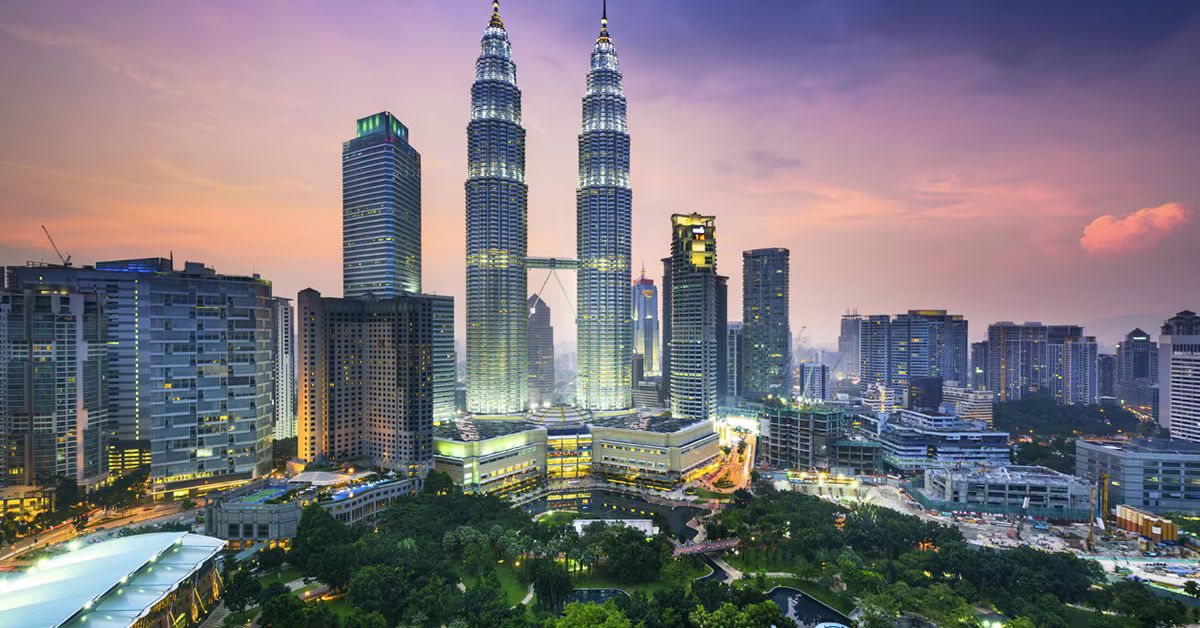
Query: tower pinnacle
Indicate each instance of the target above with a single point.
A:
(496, 21)
(603, 22)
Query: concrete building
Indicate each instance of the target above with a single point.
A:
(381, 210)
(733, 359)
(1017, 360)
(504, 458)
(143, 581)
(924, 393)
(766, 331)
(541, 353)
(969, 404)
(850, 346)
(694, 317)
(366, 374)
(497, 242)
(1032, 491)
(1152, 474)
(814, 381)
(918, 343)
(1179, 376)
(283, 367)
(916, 441)
(54, 411)
(798, 436)
(652, 452)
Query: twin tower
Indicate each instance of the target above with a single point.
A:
(498, 235)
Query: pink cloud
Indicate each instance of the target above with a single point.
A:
(1134, 232)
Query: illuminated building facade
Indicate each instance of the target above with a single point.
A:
(850, 346)
(766, 334)
(53, 356)
(1179, 376)
(366, 375)
(693, 312)
(492, 457)
(603, 218)
(645, 325)
(497, 232)
(381, 210)
(1017, 359)
(1135, 379)
(283, 365)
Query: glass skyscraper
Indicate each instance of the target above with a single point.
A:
(645, 325)
(541, 353)
(603, 215)
(766, 334)
(694, 286)
(497, 232)
(381, 210)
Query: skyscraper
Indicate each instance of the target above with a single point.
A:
(603, 219)
(733, 359)
(850, 345)
(979, 363)
(766, 358)
(814, 381)
(497, 232)
(1106, 370)
(875, 341)
(283, 365)
(381, 210)
(366, 373)
(55, 414)
(1137, 371)
(1179, 376)
(693, 316)
(645, 325)
(1017, 360)
(541, 353)
(1081, 380)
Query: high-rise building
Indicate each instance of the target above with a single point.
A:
(445, 361)
(497, 233)
(850, 346)
(603, 219)
(366, 375)
(733, 359)
(1179, 376)
(814, 381)
(766, 334)
(191, 371)
(969, 404)
(1137, 371)
(665, 389)
(919, 343)
(381, 210)
(722, 338)
(979, 362)
(283, 365)
(924, 392)
(1017, 360)
(693, 302)
(54, 416)
(541, 353)
(645, 325)
(1080, 380)
(875, 341)
(1106, 373)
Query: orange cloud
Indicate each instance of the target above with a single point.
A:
(1133, 232)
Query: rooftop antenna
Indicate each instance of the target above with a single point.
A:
(66, 261)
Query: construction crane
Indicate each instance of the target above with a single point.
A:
(66, 261)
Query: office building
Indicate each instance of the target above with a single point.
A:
(381, 210)
(924, 393)
(849, 346)
(283, 367)
(445, 360)
(919, 343)
(1080, 377)
(497, 232)
(646, 389)
(723, 338)
(979, 361)
(192, 371)
(1011, 490)
(733, 359)
(1136, 372)
(1106, 375)
(366, 375)
(53, 357)
(814, 381)
(603, 218)
(1156, 475)
(694, 299)
(541, 353)
(875, 342)
(665, 389)
(1179, 376)
(1017, 359)
(766, 334)
(918, 440)
(646, 331)
(969, 404)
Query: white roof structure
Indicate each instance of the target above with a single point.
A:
(326, 478)
(110, 583)
(645, 526)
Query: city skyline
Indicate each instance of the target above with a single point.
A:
(1018, 184)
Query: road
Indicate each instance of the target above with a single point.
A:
(100, 527)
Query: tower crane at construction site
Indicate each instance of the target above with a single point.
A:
(66, 261)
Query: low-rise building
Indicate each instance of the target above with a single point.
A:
(1032, 491)
(655, 452)
(914, 441)
(493, 457)
(969, 403)
(1155, 475)
(798, 436)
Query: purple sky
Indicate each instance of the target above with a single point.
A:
(1004, 160)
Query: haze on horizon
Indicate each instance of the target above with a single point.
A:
(1033, 162)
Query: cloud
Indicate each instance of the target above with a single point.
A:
(1134, 232)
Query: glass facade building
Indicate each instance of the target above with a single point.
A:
(645, 325)
(381, 210)
(497, 232)
(603, 218)
(541, 353)
(283, 363)
(694, 346)
(766, 333)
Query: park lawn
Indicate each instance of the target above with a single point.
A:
(602, 579)
(559, 517)
(704, 493)
(340, 607)
(284, 575)
(1079, 618)
(837, 601)
(751, 566)
(510, 581)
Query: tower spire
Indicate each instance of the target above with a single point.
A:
(496, 21)
(603, 22)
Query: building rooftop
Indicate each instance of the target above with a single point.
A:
(481, 428)
(1015, 473)
(110, 583)
(1149, 446)
(644, 422)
